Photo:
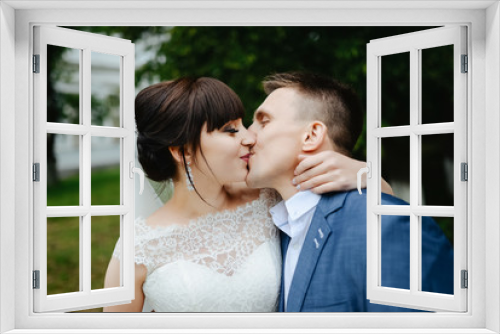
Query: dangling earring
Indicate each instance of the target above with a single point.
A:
(189, 178)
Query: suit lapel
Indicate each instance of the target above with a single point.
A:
(285, 240)
(316, 237)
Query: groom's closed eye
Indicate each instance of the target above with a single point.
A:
(261, 117)
(264, 122)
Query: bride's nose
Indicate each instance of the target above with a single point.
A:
(248, 138)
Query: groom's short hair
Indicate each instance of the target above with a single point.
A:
(333, 103)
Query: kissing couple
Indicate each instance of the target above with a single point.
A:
(262, 219)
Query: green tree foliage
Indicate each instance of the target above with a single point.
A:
(243, 56)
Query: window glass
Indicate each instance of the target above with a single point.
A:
(395, 85)
(395, 244)
(437, 170)
(440, 228)
(63, 255)
(437, 84)
(396, 165)
(104, 235)
(63, 85)
(105, 97)
(105, 184)
(63, 170)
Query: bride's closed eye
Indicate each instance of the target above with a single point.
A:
(231, 129)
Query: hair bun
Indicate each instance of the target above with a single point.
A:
(156, 159)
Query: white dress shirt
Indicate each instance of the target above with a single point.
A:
(294, 217)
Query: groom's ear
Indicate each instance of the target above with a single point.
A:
(314, 136)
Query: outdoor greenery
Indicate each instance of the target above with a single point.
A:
(242, 57)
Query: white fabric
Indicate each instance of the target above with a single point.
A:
(294, 217)
(153, 197)
(224, 262)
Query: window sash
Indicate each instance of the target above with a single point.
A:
(413, 43)
(87, 43)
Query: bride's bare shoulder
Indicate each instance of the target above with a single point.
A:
(241, 191)
(167, 215)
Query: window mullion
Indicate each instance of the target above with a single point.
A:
(127, 156)
(85, 230)
(415, 256)
(373, 156)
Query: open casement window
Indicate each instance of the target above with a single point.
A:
(404, 136)
(93, 126)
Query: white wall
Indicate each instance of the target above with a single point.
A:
(7, 163)
(22, 140)
(492, 153)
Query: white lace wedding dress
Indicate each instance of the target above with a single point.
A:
(224, 262)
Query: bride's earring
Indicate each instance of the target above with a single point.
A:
(189, 177)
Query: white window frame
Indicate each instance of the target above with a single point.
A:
(483, 21)
(86, 44)
(413, 44)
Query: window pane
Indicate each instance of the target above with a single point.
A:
(105, 234)
(437, 170)
(105, 187)
(63, 255)
(437, 84)
(395, 94)
(63, 170)
(396, 165)
(105, 100)
(395, 241)
(437, 275)
(63, 85)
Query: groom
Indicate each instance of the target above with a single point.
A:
(324, 237)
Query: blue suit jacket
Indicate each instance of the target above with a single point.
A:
(331, 272)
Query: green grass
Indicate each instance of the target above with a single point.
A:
(63, 233)
(104, 189)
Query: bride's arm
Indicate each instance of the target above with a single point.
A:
(113, 280)
(331, 171)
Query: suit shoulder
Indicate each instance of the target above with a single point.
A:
(355, 197)
(392, 200)
(345, 208)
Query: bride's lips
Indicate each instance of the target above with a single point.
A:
(246, 157)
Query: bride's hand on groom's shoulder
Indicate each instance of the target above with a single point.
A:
(328, 171)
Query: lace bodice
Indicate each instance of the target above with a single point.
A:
(229, 261)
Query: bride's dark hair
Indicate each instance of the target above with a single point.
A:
(172, 114)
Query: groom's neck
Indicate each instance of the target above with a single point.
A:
(286, 189)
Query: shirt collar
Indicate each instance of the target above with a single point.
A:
(295, 207)
(300, 203)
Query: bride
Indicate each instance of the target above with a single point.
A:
(213, 246)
